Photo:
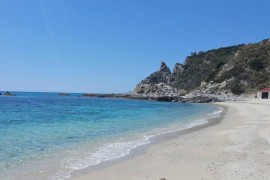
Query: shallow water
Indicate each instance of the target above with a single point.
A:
(46, 136)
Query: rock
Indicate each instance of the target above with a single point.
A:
(157, 96)
(8, 94)
(164, 68)
(87, 95)
(157, 90)
(64, 94)
(158, 84)
(178, 69)
(165, 98)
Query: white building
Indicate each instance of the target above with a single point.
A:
(263, 93)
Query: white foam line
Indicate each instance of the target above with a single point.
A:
(106, 153)
(121, 149)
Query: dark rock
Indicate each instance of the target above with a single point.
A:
(178, 69)
(165, 98)
(8, 94)
(164, 68)
(158, 84)
(198, 99)
(64, 94)
(87, 95)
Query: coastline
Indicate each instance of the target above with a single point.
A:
(156, 139)
(59, 164)
(213, 150)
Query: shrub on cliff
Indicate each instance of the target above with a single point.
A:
(256, 64)
(237, 88)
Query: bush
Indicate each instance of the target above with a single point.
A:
(236, 88)
(256, 64)
(193, 54)
(220, 64)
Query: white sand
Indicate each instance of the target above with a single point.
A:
(236, 148)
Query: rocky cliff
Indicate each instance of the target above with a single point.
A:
(220, 73)
(160, 83)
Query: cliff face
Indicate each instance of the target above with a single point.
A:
(160, 83)
(229, 71)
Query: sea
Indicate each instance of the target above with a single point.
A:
(47, 136)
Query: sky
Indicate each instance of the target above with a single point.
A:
(104, 46)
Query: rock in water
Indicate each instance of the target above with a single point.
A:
(64, 94)
(8, 94)
(88, 95)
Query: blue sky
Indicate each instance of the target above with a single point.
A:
(111, 45)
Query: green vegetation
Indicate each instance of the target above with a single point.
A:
(246, 63)
(204, 66)
(256, 64)
(236, 88)
(238, 69)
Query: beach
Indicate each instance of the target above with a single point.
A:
(237, 146)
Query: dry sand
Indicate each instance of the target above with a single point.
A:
(236, 148)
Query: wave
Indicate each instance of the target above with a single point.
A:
(117, 150)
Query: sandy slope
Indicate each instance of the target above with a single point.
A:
(236, 148)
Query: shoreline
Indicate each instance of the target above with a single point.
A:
(137, 151)
(234, 147)
(60, 164)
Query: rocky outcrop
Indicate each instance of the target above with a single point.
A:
(112, 95)
(88, 95)
(7, 93)
(158, 84)
(164, 68)
(157, 90)
(64, 94)
(193, 99)
(164, 75)
(178, 69)
(224, 73)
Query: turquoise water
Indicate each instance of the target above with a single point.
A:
(46, 136)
